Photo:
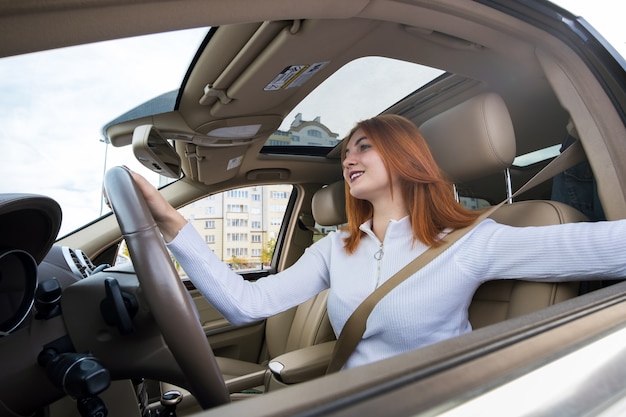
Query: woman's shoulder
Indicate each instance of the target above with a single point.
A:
(485, 229)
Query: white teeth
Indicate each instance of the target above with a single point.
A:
(355, 175)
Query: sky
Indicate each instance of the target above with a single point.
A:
(68, 102)
(72, 94)
(605, 15)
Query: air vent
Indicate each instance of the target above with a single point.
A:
(79, 263)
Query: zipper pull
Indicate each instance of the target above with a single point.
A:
(379, 254)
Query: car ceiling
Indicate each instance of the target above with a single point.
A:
(244, 55)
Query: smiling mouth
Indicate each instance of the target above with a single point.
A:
(355, 175)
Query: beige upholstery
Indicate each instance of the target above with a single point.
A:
(329, 205)
(500, 300)
(310, 326)
(301, 327)
(481, 128)
(472, 139)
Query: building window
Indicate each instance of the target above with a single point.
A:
(280, 195)
(237, 208)
(237, 252)
(209, 238)
(274, 142)
(314, 133)
(237, 237)
(256, 238)
(237, 193)
(209, 224)
(256, 224)
(237, 222)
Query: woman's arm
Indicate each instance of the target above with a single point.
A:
(240, 301)
(572, 251)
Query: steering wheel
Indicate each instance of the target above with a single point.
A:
(167, 297)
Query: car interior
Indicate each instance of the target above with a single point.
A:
(495, 114)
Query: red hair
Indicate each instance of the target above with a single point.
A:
(428, 195)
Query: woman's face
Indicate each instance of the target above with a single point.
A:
(364, 170)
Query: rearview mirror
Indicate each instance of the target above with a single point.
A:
(155, 152)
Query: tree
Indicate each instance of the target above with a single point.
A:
(268, 252)
(236, 263)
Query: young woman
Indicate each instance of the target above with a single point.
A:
(398, 205)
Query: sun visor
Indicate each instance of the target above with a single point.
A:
(29, 222)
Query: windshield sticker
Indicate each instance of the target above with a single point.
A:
(294, 76)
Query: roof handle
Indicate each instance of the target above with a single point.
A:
(213, 92)
(295, 27)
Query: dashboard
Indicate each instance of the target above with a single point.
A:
(33, 272)
(36, 352)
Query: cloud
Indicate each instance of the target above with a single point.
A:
(54, 104)
(352, 102)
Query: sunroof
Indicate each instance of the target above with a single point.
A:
(360, 89)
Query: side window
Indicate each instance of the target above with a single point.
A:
(241, 226)
(473, 203)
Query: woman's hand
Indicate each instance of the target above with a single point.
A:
(167, 218)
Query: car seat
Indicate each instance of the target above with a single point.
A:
(470, 141)
(303, 326)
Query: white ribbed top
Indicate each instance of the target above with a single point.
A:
(428, 307)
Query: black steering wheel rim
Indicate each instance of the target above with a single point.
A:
(167, 297)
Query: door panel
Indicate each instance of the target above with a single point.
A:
(241, 227)
(238, 342)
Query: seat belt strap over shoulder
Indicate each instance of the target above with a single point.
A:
(355, 326)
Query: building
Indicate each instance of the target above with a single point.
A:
(304, 133)
(240, 226)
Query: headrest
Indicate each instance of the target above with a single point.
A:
(473, 139)
(329, 205)
(468, 141)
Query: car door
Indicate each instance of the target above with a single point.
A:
(248, 228)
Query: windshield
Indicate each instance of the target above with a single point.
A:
(55, 104)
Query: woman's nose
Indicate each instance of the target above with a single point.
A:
(348, 161)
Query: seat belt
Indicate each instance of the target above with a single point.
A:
(355, 326)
